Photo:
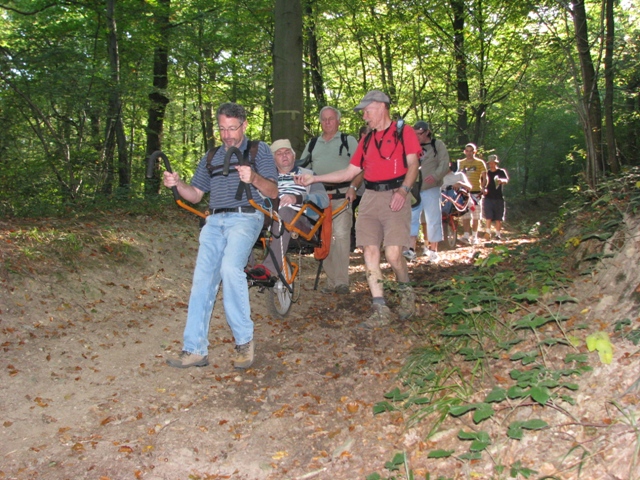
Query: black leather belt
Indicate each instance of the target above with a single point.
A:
(383, 186)
(336, 186)
(243, 209)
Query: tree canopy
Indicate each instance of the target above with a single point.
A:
(89, 89)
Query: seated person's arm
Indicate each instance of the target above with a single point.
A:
(318, 195)
(287, 199)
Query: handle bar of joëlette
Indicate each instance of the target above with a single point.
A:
(291, 226)
(151, 166)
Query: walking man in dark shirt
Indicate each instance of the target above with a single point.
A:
(493, 206)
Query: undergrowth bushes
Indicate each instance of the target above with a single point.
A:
(498, 341)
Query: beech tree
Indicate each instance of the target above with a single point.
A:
(288, 112)
(590, 109)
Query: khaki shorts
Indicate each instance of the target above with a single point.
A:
(378, 225)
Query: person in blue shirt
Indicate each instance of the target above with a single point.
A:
(226, 239)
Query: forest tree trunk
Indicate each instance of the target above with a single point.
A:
(592, 110)
(315, 70)
(462, 85)
(115, 127)
(287, 74)
(158, 99)
(612, 154)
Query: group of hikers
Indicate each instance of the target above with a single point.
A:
(395, 173)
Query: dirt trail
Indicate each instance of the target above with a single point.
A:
(87, 393)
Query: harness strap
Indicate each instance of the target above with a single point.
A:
(246, 158)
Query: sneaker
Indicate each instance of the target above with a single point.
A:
(407, 306)
(433, 257)
(465, 238)
(425, 251)
(497, 236)
(473, 240)
(244, 355)
(188, 359)
(342, 289)
(328, 290)
(410, 255)
(380, 317)
(259, 273)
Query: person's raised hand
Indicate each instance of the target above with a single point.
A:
(305, 180)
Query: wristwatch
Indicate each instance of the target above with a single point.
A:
(406, 189)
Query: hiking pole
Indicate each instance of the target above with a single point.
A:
(151, 166)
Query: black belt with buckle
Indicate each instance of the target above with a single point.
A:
(336, 186)
(384, 186)
(243, 209)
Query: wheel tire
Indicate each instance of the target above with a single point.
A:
(450, 235)
(281, 299)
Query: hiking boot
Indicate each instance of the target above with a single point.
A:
(410, 255)
(407, 306)
(380, 317)
(244, 355)
(188, 359)
(342, 289)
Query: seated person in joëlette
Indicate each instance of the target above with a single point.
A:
(291, 196)
(456, 187)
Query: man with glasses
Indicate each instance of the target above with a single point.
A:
(389, 160)
(328, 153)
(226, 239)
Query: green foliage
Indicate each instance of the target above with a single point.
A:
(46, 248)
(631, 334)
(516, 429)
(485, 317)
(58, 82)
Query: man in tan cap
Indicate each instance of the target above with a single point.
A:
(292, 196)
(389, 159)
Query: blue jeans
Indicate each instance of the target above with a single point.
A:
(430, 204)
(226, 241)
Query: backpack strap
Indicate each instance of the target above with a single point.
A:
(399, 138)
(344, 139)
(309, 159)
(248, 158)
(210, 155)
